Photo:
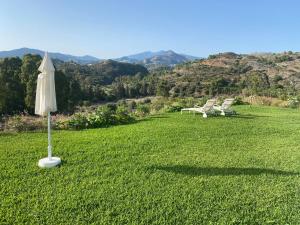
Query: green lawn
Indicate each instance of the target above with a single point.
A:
(167, 169)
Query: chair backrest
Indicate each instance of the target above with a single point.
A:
(209, 105)
(227, 103)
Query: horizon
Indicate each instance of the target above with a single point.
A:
(108, 30)
(181, 53)
(66, 53)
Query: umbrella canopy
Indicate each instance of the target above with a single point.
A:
(45, 100)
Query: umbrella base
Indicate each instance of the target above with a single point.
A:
(46, 163)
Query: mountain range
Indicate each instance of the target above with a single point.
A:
(148, 59)
(152, 60)
(20, 52)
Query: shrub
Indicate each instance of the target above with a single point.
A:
(147, 101)
(261, 100)
(201, 101)
(293, 102)
(239, 101)
(20, 123)
(103, 116)
(277, 78)
(109, 106)
(142, 110)
(77, 121)
(131, 106)
(106, 115)
(86, 103)
(157, 105)
(173, 108)
(123, 117)
(187, 102)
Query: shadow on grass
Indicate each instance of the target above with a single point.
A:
(7, 133)
(220, 171)
(233, 116)
(245, 116)
(149, 118)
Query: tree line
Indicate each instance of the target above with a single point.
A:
(18, 78)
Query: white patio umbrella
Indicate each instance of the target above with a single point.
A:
(45, 102)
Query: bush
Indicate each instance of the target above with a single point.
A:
(261, 100)
(142, 110)
(175, 107)
(201, 101)
(20, 123)
(131, 106)
(86, 103)
(103, 116)
(239, 101)
(77, 121)
(123, 117)
(157, 105)
(147, 101)
(293, 102)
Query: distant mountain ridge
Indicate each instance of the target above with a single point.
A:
(148, 59)
(157, 59)
(86, 59)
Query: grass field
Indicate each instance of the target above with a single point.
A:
(167, 169)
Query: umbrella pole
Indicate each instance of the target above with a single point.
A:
(49, 137)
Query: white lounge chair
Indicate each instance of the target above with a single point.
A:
(207, 108)
(225, 108)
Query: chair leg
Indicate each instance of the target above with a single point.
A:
(222, 113)
(204, 115)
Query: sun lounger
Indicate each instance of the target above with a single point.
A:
(205, 109)
(225, 108)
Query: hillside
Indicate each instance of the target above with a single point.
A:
(102, 73)
(230, 72)
(153, 60)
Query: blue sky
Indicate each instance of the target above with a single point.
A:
(111, 28)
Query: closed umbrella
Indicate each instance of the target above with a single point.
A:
(45, 102)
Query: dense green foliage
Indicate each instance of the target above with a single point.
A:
(75, 84)
(11, 89)
(122, 112)
(224, 74)
(168, 169)
(93, 78)
(103, 116)
(18, 85)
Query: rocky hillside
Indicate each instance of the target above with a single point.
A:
(276, 75)
(284, 66)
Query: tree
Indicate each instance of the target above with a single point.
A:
(118, 88)
(11, 90)
(28, 76)
(163, 88)
(62, 90)
(257, 82)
